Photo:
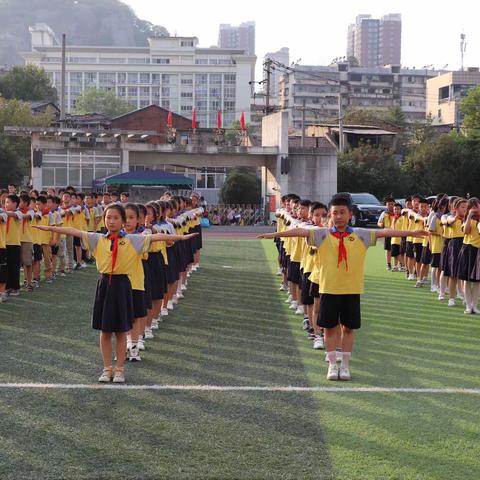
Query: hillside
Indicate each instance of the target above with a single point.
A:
(86, 22)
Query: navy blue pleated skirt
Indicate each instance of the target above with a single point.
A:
(113, 305)
(158, 275)
(148, 284)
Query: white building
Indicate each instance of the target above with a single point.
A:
(172, 72)
(241, 37)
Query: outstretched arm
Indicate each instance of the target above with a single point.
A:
(294, 232)
(72, 232)
(165, 237)
(388, 233)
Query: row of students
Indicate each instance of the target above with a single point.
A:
(450, 250)
(322, 260)
(144, 256)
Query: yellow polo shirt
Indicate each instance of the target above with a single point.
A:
(337, 279)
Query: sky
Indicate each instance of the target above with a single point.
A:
(317, 32)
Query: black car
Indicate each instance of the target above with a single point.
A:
(366, 209)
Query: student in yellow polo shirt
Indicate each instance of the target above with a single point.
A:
(397, 222)
(3, 255)
(385, 221)
(342, 250)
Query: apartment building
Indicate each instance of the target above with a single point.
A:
(238, 37)
(315, 91)
(445, 93)
(171, 72)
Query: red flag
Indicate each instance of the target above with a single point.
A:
(219, 120)
(194, 119)
(170, 120)
(242, 121)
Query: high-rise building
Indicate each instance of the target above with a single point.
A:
(376, 42)
(240, 37)
(281, 56)
(171, 72)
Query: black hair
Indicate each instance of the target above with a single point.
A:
(49, 197)
(305, 203)
(14, 198)
(292, 196)
(57, 200)
(284, 198)
(142, 209)
(134, 207)
(118, 208)
(417, 196)
(42, 199)
(408, 199)
(154, 207)
(398, 205)
(24, 197)
(389, 199)
(126, 194)
(341, 199)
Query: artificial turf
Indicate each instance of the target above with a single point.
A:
(234, 329)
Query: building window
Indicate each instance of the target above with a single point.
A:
(186, 43)
(216, 79)
(156, 78)
(162, 61)
(133, 78)
(145, 78)
(90, 79)
(201, 61)
(132, 92)
(230, 79)
(186, 94)
(186, 108)
(138, 60)
(122, 78)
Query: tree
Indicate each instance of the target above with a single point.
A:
(242, 186)
(28, 83)
(353, 61)
(470, 107)
(369, 169)
(102, 101)
(15, 152)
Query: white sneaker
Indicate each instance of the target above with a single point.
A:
(141, 344)
(293, 305)
(299, 311)
(164, 312)
(180, 295)
(318, 343)
(154, 324)
(451, 302)
(441, 296)
(283, 288)
(468, 311)
(475, 310)
(83, 265)
(306, 324)
(419, 284)
(332, 373)
(129, 343)
(148, 333)
(183, 287)
(174, 300)
(170, 305)
(412, 276)
(134, 354)
(279, 272)
(344, 373)
(434, 289)
(289, 299)
(394, 269)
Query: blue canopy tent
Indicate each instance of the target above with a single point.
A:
(156, 178)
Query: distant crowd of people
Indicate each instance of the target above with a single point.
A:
(241, 215)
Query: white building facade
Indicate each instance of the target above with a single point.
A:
(172, 72)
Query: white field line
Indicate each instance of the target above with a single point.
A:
(237, 388)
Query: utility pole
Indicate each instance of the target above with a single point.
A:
(303, 123)
(64, 75)
(341, 147)
(267, 70)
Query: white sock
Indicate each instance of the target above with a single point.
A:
(345, 359)
(332, 357)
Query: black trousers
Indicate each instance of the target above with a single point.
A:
(13, 267)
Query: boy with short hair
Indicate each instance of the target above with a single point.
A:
(398, 224)
(45, 238)
(342, 250)
(385, 221)
(26, 240)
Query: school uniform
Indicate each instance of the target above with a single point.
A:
(410, 226)
(397, 223)
(426, 257)
(341, 273)
(44, 239)
(37, 247)
(436, 243)
(156, 262)
(386, 221)
(26, 237)
(12, 240)
(307, 265)
(3, 247)
(116, 258)
(453, 249)
(467, 258)
(418, 224)
(68, 214)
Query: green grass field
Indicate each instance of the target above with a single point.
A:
(233, 329)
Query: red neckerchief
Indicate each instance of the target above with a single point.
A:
(114, 238)
(45, 211)
(342, 250)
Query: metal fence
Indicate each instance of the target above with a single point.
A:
(243, 215)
